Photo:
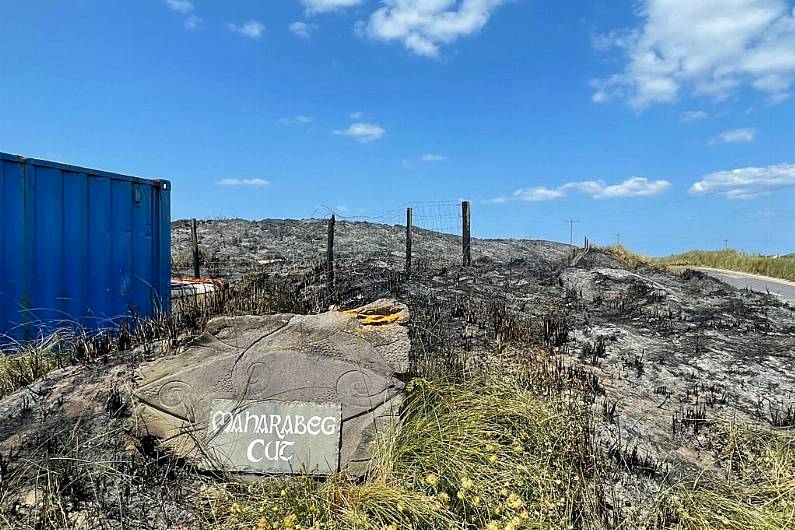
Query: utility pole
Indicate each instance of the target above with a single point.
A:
(571, 231)
(726, 244)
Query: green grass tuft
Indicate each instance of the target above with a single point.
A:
(483, 454)
(30, 362)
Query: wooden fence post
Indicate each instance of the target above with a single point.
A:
(409, 237)
(195, 237)
(330, 251)
(466, 219)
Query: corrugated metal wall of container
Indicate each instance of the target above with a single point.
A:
(80, 247)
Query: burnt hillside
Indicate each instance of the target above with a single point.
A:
(666, 355)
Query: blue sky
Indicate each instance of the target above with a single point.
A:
(669, 122)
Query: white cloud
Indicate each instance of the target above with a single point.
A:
(357, 115)
(181, 6)
(537, 194)
(634, 187)
(364, 132)
(746, 183)
(694, 115)
(303, 29)
(193, 22)
(297, 120)
(617, 38)
(423, 26)
(734, 136)
(256, 183)
(600, 96)
(431, 157)
(252, 29)
(407, 164)
(598, 189)
(707, 47)
(323, 6)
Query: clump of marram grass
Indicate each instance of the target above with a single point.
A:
(482, 454)
(632, 259)
(29, 362)
(758, 492)
(23, 363)
(501, 453)
(728, 259)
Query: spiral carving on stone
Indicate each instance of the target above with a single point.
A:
(175, 395)
(249, 378)
(358, 388)
(256, 375)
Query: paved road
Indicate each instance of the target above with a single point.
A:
(781, 288)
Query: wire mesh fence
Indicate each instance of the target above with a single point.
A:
(234, 248)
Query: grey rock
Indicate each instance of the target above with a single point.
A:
(351, 358)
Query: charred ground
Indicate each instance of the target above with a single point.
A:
(666, 355)
(665, 361)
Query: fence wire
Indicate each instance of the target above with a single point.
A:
(369, 242)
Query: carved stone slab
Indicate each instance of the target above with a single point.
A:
(347, 358)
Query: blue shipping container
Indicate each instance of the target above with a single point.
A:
(80, 247)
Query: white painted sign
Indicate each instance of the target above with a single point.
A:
(275, 436)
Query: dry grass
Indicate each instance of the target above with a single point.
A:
(782, 267)
(28, 364)
(500, 450)
(488, 453)
(773, 267)
(758, 492)
(628, 257)
(23, 363)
